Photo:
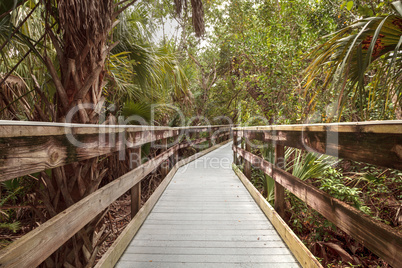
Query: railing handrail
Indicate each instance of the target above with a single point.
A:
(43, 146)
(378, 143)
(33, 248)
(365, 126)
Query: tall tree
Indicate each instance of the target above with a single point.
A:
(77, 41)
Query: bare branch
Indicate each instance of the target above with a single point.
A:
(59, 86)
(123, 8)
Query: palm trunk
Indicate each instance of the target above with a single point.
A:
(81, 51)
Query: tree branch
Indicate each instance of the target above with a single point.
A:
(59, 86)
(123, 8)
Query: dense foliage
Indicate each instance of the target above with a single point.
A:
(248, 62)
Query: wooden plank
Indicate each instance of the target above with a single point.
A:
(29, 147)
(165, 165)
(384, 126)
(269, 260)
(279, 204)
(113, 254)
(110, 258)
(135, 161)
(10, 128)
(40, 243)
(211, 244)
(299, 250)
(25, 155)
(202, 229)
(247, 164)
(354, 143)
(154, 264)
(376, 236)
(208, 251)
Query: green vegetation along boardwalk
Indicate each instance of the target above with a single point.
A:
(207, 218)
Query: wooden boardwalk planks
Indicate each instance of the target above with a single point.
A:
(206, 218)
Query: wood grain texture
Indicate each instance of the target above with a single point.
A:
(22, 155)
(299, 250)
(376, 236)
(25, 155)
(40, 243)
(135, 192)
(384, 126)
(206, 217)
(279, 204)
(353, 143)
(110, 258)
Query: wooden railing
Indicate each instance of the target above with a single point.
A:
(378, 143)
(27, 147)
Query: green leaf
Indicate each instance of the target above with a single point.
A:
(349, 5)
(343, 4)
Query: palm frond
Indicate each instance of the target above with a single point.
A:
(348, 56)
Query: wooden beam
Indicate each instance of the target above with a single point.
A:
(135, 161)
(364, 143)
(10, 129)
(279, 204)
(165, 164)
(21, 156)
(247, 164)
(378, 237)
(234, 145)
(299, 250)
(384, 126)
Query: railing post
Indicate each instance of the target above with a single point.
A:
(279, 189)
(234, 145)
(247, 164)
(136, 190)
(210, 138)
(164, 165)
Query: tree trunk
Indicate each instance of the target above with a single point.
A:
(81, 51)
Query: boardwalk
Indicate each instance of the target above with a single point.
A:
(206, 218)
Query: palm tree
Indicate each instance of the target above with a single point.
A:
(74, 47)
(362, 62)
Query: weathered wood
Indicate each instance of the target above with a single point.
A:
(40, 243)
(173, 237)
(279, 204)
(135, 161)
(110, 258)
(29, 147)
(299, 250)
(164, 165)
(25, 155)
(235, 145)
(376, 236)
(10, 129)
(135, 199)
(247, 164)
(113, 254)
(378, 143)
(384, 126)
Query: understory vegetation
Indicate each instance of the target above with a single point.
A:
(175, 63)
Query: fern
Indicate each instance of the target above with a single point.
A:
(14, 227)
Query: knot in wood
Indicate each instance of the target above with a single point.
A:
(54, 157)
